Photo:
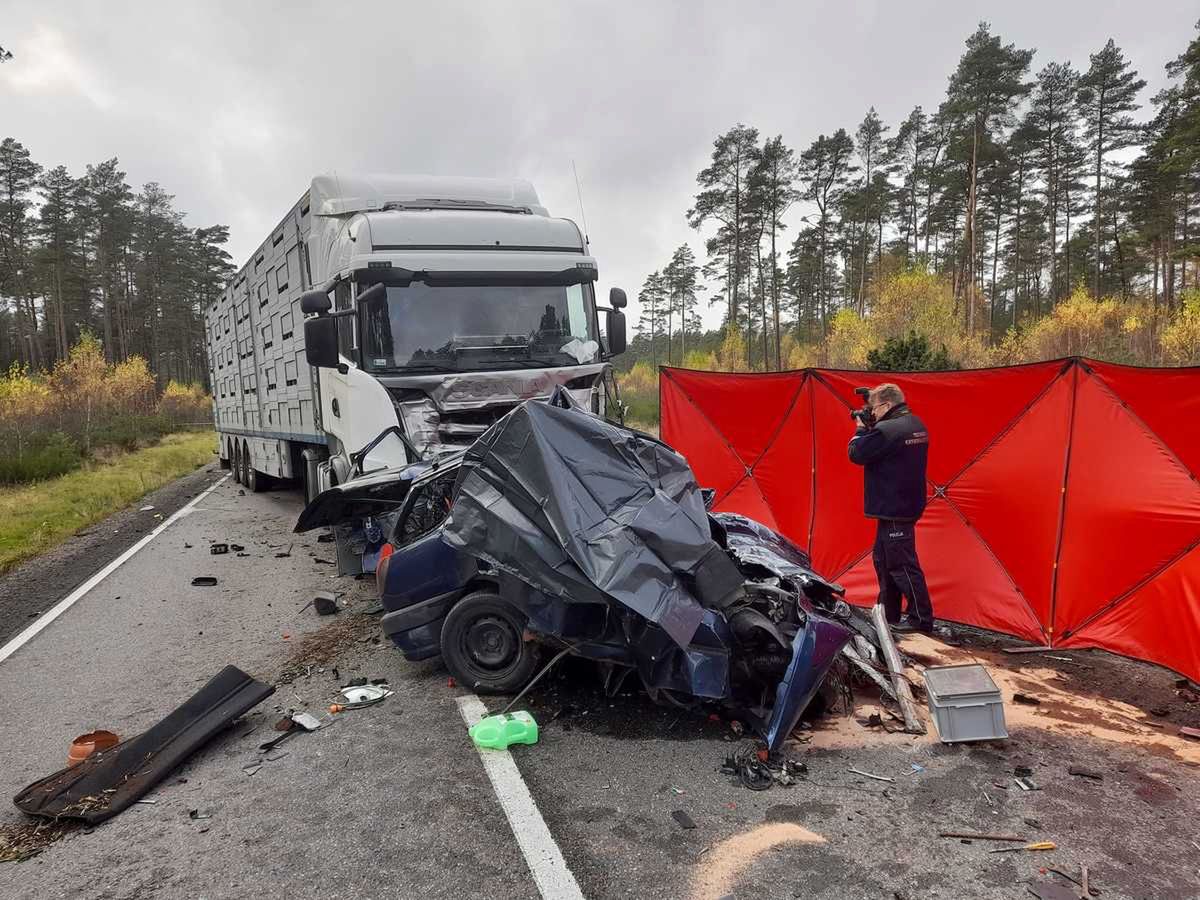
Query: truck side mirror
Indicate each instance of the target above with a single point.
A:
(314, 302)
(616, 331)
(321, 342)
(617, 298)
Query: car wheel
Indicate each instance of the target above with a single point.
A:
(245, 464)
(237, 463)
(484, 647)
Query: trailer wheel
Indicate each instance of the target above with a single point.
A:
(484, 647)
(256, 481)
(245, 464)
(236, 456)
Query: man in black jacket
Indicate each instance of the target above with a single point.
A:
(893, 453)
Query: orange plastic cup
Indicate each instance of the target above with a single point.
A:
(87, 744)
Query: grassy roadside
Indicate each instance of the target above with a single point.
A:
(33, 518)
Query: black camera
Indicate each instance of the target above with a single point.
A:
(865, 417)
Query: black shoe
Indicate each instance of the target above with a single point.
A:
(910, 627)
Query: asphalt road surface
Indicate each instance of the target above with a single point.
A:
(393, 800)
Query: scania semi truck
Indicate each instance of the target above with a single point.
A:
(389, 319)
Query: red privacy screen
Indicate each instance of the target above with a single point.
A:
(1064, 505)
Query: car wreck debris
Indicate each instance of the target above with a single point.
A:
(599, 536)
(558, 531)
(109, 781)
(903, 690)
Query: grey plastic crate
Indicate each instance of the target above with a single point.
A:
(965, 703)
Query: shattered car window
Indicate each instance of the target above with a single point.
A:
(428, 507)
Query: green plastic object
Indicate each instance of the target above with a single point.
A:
(500, 732)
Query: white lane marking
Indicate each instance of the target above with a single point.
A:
(554, 880)
(68, 601)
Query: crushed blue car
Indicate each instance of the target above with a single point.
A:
(559, 530)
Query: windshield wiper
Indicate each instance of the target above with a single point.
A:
(411, 369)
(529, 362)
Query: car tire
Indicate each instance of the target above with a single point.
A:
(237, 464)
(484, 647)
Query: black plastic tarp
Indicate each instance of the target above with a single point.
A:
(585, 510)
(110, 781)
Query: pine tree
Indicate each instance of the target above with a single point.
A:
(18, 177)
(775, 172)
(869, 142)
(723, 198)
(983, 92)
(651, 299)
(825, 168)
(1052, 119)
(1107, 94)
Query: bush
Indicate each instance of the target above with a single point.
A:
(910, 353)
(44, 456)
(639, 393)
(131, 431)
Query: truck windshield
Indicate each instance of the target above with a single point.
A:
(467, 328)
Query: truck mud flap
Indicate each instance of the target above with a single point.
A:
(111, 780)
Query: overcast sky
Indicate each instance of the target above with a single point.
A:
(233, 107)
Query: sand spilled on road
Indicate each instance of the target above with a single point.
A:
(722, 866)
(1062, 709)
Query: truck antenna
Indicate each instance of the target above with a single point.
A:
(582, 212)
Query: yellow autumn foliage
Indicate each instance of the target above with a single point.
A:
(1181, 338)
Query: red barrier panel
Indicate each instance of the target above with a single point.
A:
(1064, 503)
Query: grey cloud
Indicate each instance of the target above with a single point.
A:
(232, 107)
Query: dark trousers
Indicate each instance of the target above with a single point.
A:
(899, 573)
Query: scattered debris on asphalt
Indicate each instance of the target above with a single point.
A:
(204, 581)
(1039, 845)
(325, 604)
(1081, 772)
(109, 781)
(24, 840)
(236, 548)
(870, 775)
(284, 554)
(1190, 732)
(1026, 784)
(1052, 890)
(1026, 700)
(684, 820)
(146, 509)
(971, 836)
(218, 549)
(757, 769)
(198, 814)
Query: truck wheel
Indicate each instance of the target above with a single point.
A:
(483, 644)
(245, 464)
(256, 481)
(237, 463)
